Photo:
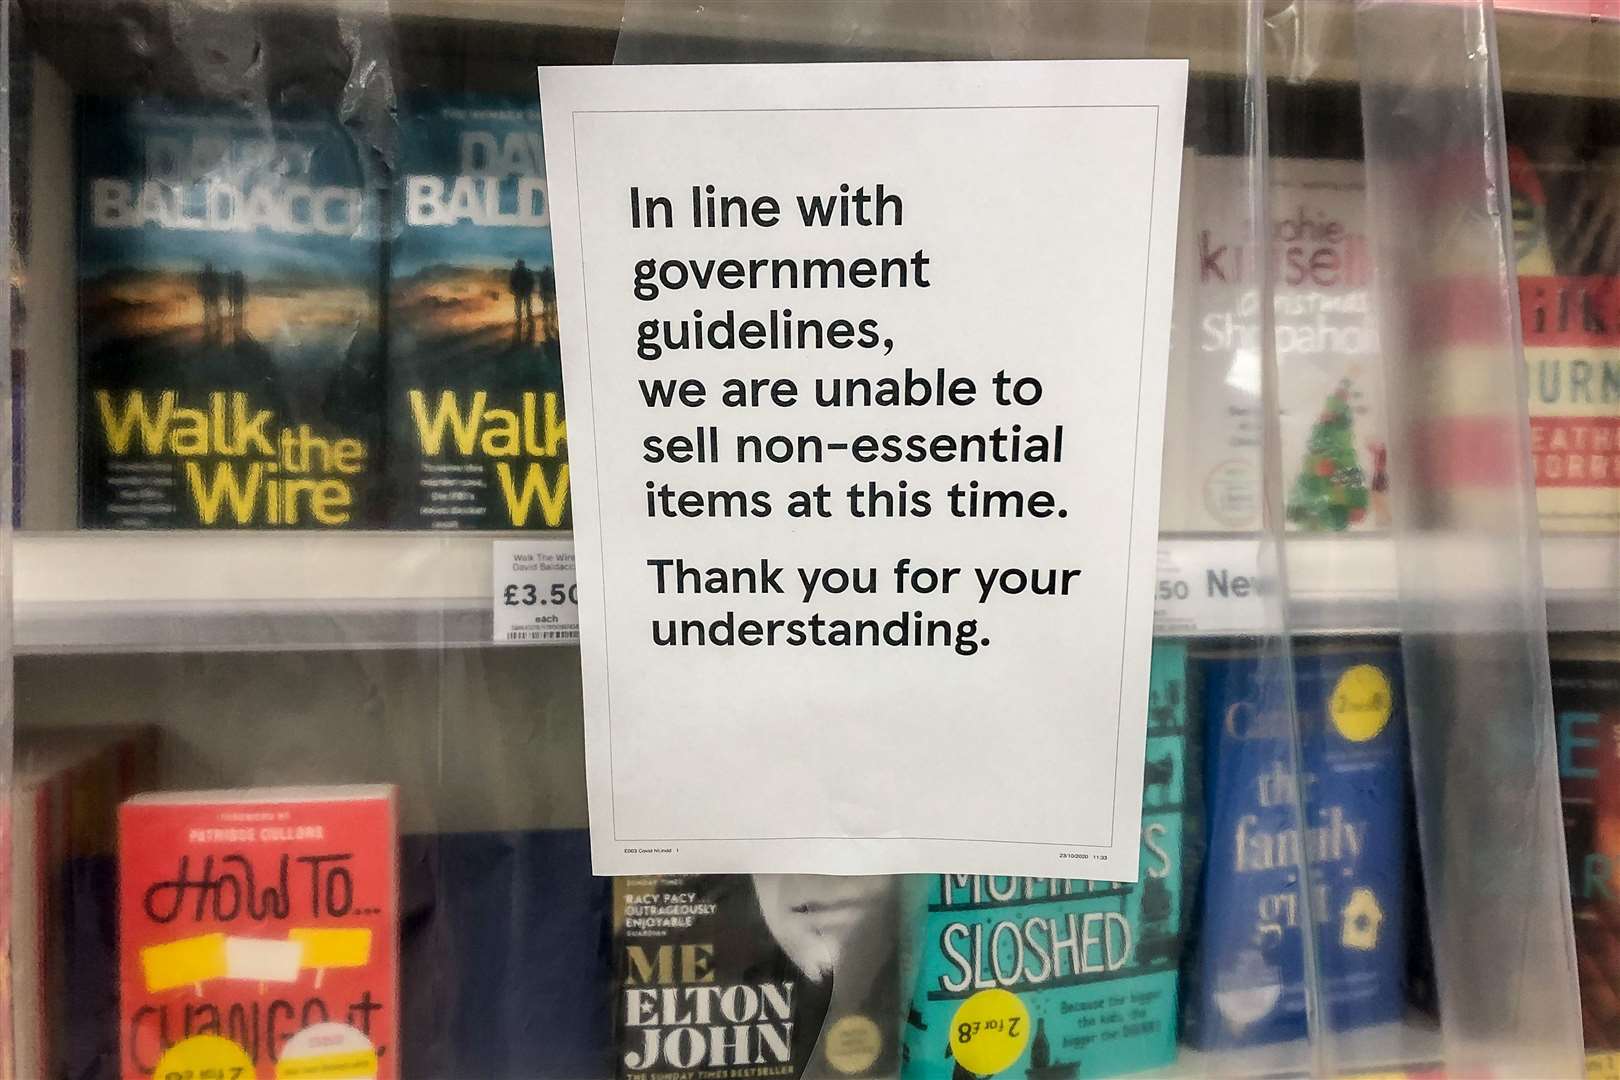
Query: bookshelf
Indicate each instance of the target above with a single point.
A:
(211, 592)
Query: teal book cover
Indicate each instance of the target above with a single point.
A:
(477, 438)
(229, 353)
(1093, 963)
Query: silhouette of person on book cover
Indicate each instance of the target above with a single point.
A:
(236, 290)
(208, 288)
(521, 282)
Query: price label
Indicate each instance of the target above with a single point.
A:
(205, 1057)
(534, 596)
(1209, 586)
(989, 1032)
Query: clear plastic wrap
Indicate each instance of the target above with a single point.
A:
(1352, 838)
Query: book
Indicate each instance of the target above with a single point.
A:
(1330, 383)
(260, 926)
(1095, 963)
(505, 951)
(66, 787)
(477, 435)
(229, 361)
(725, 977)
(1586, 703)
(1247, 984)
(1569, 311)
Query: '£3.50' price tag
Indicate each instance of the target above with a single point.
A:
(535, 597)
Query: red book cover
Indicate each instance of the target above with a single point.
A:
(258, 934)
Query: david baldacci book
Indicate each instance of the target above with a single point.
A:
(1564, 217)
(1094, 962)
(731, 976)
(267, 917)
(1247, 984)
(1330, 380)
(228, 346)
(477, 438)
(1586, 701)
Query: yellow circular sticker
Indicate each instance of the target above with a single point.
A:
(204, 1055)
(853, 1044)
(1361, 703)
(989, 1032)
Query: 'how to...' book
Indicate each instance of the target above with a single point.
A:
(229, 355)
(477, 438)
(259, 928)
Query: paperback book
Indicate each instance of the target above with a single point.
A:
(1569, 307)
(1586, 701)
(1330, 382)
(66, 787)
(258, 928)
(1248, 983)
(1094, 963)
(725, 977)
(228, 349)
(477, 438)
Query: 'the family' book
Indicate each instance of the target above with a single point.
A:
(1280, 850)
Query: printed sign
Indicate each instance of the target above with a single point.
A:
(535, 598)
(866, 373)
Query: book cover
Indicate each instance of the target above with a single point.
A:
(1094, 963)
(1248, 983)
(722, 977)
(258, 930)
(1330, 378)
(505, 952)
(1569, 309)
(228, 297)
(477, 437)
(1586, 702)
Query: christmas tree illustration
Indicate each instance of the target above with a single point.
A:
(1330, 492)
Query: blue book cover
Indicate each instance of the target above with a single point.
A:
(228, 346)
(477, 437)
(1248, 984)
(1094, 962)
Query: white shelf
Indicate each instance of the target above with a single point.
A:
(81, 592)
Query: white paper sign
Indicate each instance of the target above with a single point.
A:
(1208, 585)
(865, 370)
(534, 597)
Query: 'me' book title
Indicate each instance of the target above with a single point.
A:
(477, 436)
(228, 266)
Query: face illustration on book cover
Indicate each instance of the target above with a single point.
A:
(475, 381)
(229, 356)
(731, 976)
